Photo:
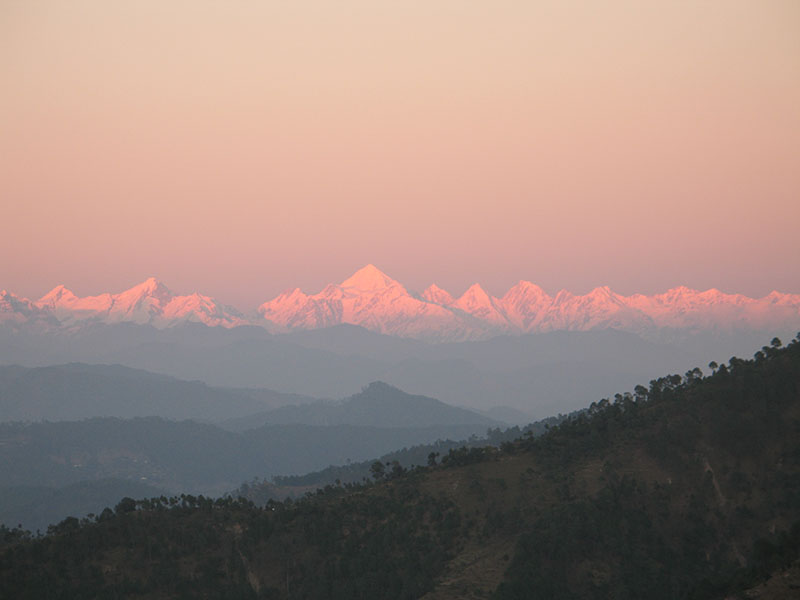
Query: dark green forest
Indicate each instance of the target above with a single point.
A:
(688, 487)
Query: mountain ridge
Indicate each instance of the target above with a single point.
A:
(377, 405)
(371, 299)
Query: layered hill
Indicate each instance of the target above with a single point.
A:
(683, 489)
(377, 405)
(46, 465)
(80, 391)
(540, 374)
(373, 300)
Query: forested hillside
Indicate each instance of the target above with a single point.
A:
(686, 488)
(42, 462)
(189, 456)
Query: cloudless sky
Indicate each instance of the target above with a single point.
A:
(242, 148)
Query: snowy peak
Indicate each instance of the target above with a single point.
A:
(599, 309)
(150, 302)
(475, 299)
(57, 295)
(525, 292)
(295, 296)
(437, 295)
(16, 311)
(370, 299)
(149, 288)
(369, 279)
(526, 288)
(373, 300)
(475, 294)
(525, 304)
(604, 295)
(476, 302)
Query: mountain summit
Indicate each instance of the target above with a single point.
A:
(368, 298)
(369, 279)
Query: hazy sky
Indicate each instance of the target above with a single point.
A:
(240, 148)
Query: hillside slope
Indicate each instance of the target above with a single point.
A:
(685, 489)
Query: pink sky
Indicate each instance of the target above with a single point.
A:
(241, 148)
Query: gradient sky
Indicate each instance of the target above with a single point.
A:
(241, 148)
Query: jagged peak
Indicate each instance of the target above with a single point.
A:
(149, 287)
(151, 283)
(475, 291)
(434, 293)
(602, 291)
(369, 278)
(681, 290)
(57, 293)
(525, 287)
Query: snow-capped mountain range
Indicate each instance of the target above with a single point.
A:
(373, 300)
(150, 303)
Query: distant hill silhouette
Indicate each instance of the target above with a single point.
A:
(79, 391)
(377, 405)
(541, 374)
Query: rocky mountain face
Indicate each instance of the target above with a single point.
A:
(373, 300)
